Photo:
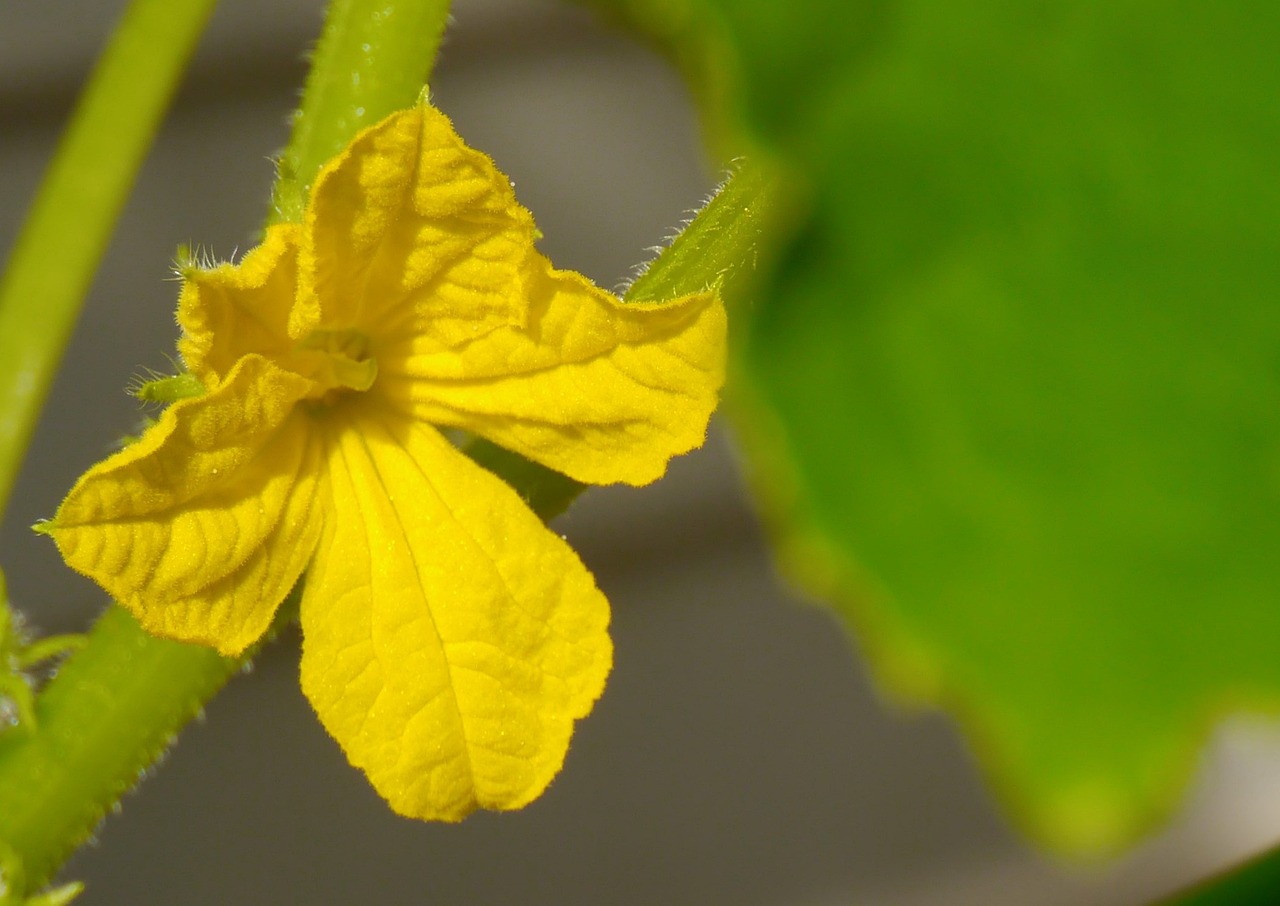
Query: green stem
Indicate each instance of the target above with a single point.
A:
(721, 251)
(109, 713)
(66, 232)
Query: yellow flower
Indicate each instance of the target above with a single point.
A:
(450, 639)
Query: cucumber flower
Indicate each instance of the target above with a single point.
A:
(450, 640)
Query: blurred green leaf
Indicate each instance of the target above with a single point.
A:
(1013, 383)
(1251, 883)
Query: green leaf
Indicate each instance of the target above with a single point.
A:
(1013, 382)
(1251, 883)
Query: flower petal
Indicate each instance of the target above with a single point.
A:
(450, 640)
(600, 390)
(408, 210)
(232, 310)
(202, 527)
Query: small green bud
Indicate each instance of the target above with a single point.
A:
(167, 389)
(18, 653)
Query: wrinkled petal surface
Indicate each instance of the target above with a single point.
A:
(450, 639)
(473, 328)
(597, 389)
(202, 526)
(232, 310)
(411, 231)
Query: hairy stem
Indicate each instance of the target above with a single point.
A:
(721, 250)
(110, 712)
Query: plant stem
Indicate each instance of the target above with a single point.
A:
(66, 232)
(110, 712)
(721, 251)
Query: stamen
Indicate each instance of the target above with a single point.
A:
(340, 361)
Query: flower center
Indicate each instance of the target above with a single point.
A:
(338, 361)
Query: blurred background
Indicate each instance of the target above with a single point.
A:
(740, 755)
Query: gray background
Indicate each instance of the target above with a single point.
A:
(740, 754)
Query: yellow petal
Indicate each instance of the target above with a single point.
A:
(597, 389)
(202, 527)
(232, 310)
(417, 241)
(409, 230)
(450, 640)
